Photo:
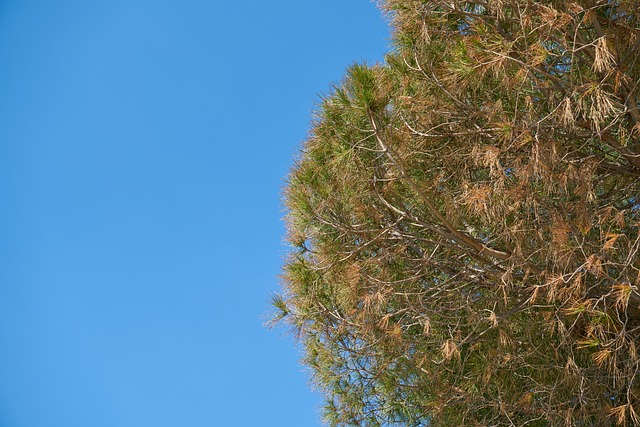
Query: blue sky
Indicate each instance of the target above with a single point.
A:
(143, 147)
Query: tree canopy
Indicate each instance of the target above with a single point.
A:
(465, 221)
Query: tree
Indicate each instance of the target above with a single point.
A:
(464, 221)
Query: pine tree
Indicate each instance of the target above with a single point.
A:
(465, 221)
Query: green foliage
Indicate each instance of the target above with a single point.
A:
(464, 221)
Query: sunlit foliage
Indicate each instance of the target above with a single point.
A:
(464, 221)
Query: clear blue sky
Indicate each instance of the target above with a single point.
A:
(143, 147)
